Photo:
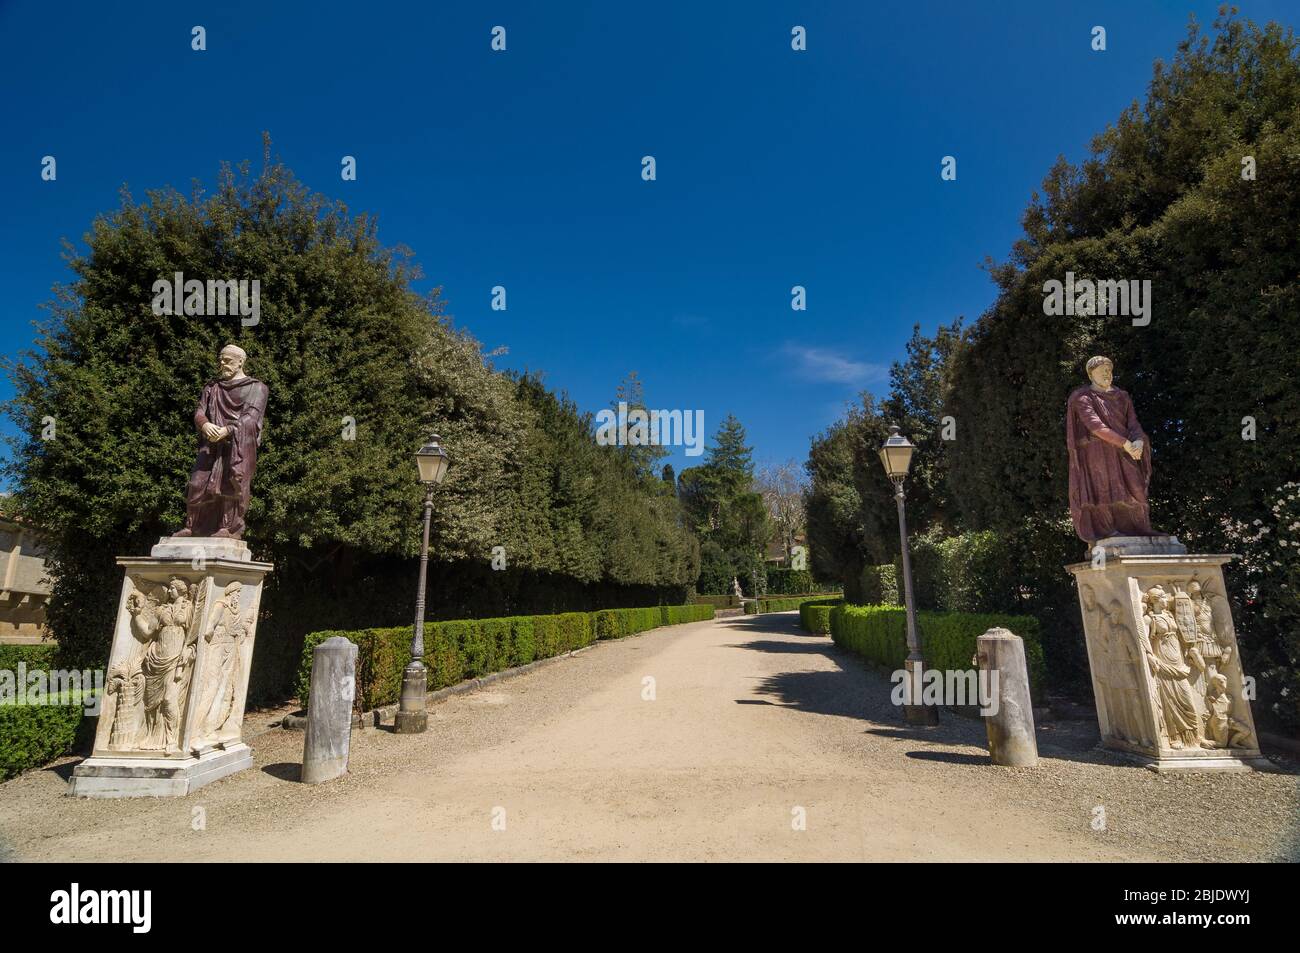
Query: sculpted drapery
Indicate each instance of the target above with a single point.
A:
(1110, 460)
(228, 419)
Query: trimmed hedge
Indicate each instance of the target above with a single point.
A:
(782, 582)
(882, 585)
(792, 602)
(815, 617)
(33, 735)
(879, 634)
(35, 656)
(468, 648)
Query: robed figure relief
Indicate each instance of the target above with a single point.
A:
(229, 421)
(219, 709)
(1179, 714)
(148, 689)
(1110, 460)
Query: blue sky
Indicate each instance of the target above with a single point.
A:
(523, 168)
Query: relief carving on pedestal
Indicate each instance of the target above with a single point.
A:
(219, 712)
(149, 688)
(1189, 650)
(1119, 672)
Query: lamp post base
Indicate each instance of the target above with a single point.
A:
(924, 716)
(412, 719)
(916, 714)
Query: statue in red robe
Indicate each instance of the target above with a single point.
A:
(1110, 460)
(229, 421)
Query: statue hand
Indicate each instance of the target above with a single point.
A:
(213, 432)
(1134, 450)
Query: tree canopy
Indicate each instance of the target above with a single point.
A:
(361, 369)
(1195, 191)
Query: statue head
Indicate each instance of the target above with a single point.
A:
(177, 588)
(1218, 683)
(232, 362)
(1194, 589)
(1101, 371)
(1157, 598)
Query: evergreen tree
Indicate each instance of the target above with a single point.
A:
(361, 370)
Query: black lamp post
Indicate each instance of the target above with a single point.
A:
(412, 718)
(896, 455)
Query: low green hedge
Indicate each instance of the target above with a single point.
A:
(793, 602)
(879, 634)
(815, 616)
(468, 648)
(35, 656)
(33, 735)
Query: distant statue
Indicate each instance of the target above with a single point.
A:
(735, 588)
(1110, 459)
(229, 421)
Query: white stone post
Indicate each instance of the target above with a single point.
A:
(1010, 719)
(329, 710)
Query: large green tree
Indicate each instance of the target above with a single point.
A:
(1194, 191)
(360, 369)
(723, 506)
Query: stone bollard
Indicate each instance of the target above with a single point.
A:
(329, 710)
(1010, 722)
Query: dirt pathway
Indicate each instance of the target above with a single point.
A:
(753, 726)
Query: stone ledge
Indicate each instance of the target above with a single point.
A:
(201, 547)
(137, 777)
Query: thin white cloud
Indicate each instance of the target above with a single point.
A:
(822, 364)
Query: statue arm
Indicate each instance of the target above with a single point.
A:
(1135, 431)
(1096, 427)
(257, 406)
(255, 412)
(200, 418)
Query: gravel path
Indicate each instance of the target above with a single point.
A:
(754, 726)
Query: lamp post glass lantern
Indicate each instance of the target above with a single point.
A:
(431, 460)
(412, 718)
(896, 458)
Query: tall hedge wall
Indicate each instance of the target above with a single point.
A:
(468, 648)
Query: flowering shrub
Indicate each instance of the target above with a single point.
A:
(1269, 628)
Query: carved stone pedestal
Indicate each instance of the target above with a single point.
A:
(1163, 653)
(173, 712)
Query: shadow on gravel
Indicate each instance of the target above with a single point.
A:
(775, 623)
(856, 690)
(64, 770)
(823, 693)
(951, 757)
(790, 648)
(284, 771)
